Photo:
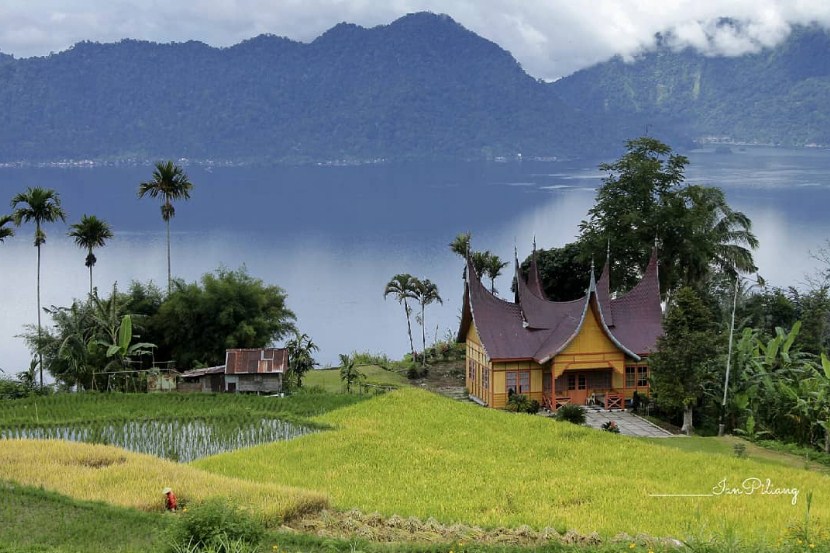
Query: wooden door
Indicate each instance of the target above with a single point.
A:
(577, 387)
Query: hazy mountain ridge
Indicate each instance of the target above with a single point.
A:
(776, 96)
(421, 87)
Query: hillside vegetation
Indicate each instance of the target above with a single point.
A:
(420, 87)
(775, 96)
(414, 453)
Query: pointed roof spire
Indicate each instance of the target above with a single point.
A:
(604, 288)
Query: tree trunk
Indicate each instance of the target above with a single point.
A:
(169, 277)
(90, 280)
(687, 420)
(39, 337)
(409, 329)
(423, 337)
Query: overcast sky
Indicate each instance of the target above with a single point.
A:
(551, 38)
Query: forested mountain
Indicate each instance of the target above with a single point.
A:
(421, 87)
(777, 96)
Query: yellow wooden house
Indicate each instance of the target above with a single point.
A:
(590, 351)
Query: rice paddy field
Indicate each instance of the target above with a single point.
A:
(412, 453)
(119, 477)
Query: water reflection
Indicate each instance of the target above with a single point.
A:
(332, 237)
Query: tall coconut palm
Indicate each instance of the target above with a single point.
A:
(402, 286)
(6, 232)
(169, 183)
(426, 292)
(90, 233)
(41, 205)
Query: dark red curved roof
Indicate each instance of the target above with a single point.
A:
(535, 328)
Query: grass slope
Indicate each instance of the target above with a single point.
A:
(36, 520)
(106, 473)
(414, 453)
(329, 379)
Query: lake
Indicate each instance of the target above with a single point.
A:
(333, 236)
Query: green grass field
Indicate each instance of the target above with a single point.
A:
(37, 520)
(413, 453)
(329, 379)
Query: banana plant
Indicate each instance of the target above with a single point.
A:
(122, 350)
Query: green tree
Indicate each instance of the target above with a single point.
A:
(169, 183)
(90, 233)
(492, 268)
(6, 232)
(300, 359)
(38, 205)
(461, 244)
(426, 292)
(563, 272)
(707, 234)
(644, 199)
(349, 373)
(684, 356)
(226, 309)
(402, 287)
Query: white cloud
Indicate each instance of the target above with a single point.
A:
(551, 38)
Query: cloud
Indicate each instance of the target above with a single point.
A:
(551, 38)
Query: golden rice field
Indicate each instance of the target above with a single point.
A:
(413, 453)
(114, 475)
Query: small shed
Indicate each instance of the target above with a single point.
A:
(210, 379)
(255, 370)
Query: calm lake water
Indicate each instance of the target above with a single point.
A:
(333, 236)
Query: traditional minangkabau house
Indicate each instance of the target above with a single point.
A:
(589, 351)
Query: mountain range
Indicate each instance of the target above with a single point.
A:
(422, 87)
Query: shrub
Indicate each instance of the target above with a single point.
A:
(519, 403)
(571, 413)
(611, 426)
(214, 525)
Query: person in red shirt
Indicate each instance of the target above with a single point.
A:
(170, 502)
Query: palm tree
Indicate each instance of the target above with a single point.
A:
(300, 360)
(426, 292)
(40, 205)
(169, 183)
(402, 286)
(6, 232)
(348, 372)
(90, 233)
(492, 269)
(714, 235)
(461, 244)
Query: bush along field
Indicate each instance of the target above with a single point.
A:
(414, 454)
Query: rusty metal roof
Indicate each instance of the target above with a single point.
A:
(256, 360)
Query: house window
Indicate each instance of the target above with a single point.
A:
(642, 376)
(636, 377)
(572, 381)
(581, 382)
(485, 378)
(518, 381)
